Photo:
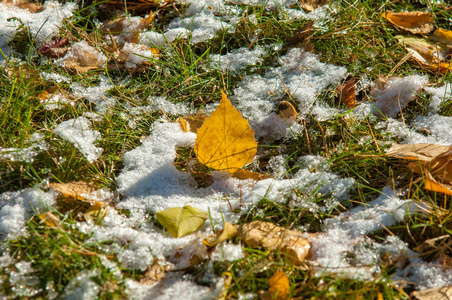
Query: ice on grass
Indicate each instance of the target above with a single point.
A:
(42, 25)
(55, 101)
(237, 59)
(55, 77)
(78, 132)
(17, 207)
(440, 95)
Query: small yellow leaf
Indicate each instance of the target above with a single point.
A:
(180, 221)
(442, 35)
(225, 141)
(279, 285)
(245, 174)
(415, 22)
(220, 236)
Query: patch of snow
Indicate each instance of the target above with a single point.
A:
(440, 95)
(17, 207)
(55, 77)
(162, 103)
(42, 25)
(96, 94)
(82, 286)
(227, 252)
(55, 101)
(77, 131)
(237, 59)
(137, 55)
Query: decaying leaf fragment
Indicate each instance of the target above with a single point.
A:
(225, 141)
(245, 174)
(442, 35)
(442, 293)
(220, 236)
(346, 92)
(432, 161)
(415, 22)
(287, 111)
(310, 5)
(180, 221)
(272, 237)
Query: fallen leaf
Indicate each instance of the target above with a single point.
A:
(272, 237)
(433, 161)
(415, 22)
(78, 190)
(190, 255)
(24, 4)
(346, 92)
(192, 123)
(441, 293)
(287, 111)
(180, 221)
(310, 5)
(227, 282)
(82, 57)
(442, 36)
(279, 285)
(220, 236)
(54, 48)
(153, 274)
(225, 141)
(245, 174)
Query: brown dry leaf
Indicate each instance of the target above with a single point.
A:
(190, 255)
(50, 219)
(442, 36)
(346, 92)
(54, 48)
(415, 22)
(192, 123)
(272, 237)
(225, 141)
(433, 161)
(310, 5)
(153, 274)
(442, 293)
(82, 57)
(287, 111)
(220, 236)
(245, 174)
(25, 4)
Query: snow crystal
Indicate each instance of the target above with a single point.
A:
(56, 77)
(227, 252)
(82, 286)
(137, 55)
(237, 59)
(152, 38)
(55, 101)
(162, 103)
(440, 95)
(17, 207)
(138, 259)
(77, 131)
(42, 25)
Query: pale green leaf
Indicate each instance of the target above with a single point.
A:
(180, 221)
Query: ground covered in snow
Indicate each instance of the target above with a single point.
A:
(147, 179)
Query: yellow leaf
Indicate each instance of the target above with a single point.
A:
(220, 236)
(245, 174)
(442, 35)
(225, 141)
(415, 22)
(279, 285)
(180, 221)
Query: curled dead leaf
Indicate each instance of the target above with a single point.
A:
(287, 111)
(220, 236)
(192, 123)
(415, 22)
(346, 92)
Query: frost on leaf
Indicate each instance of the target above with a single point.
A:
(415, 22)
(225, 141)
(434, 162)
(180, 221)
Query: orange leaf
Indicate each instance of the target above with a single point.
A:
(245, 174)
(225, 141)
(346, 92)
(286, 110)
(279, 285)
(415, 22)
